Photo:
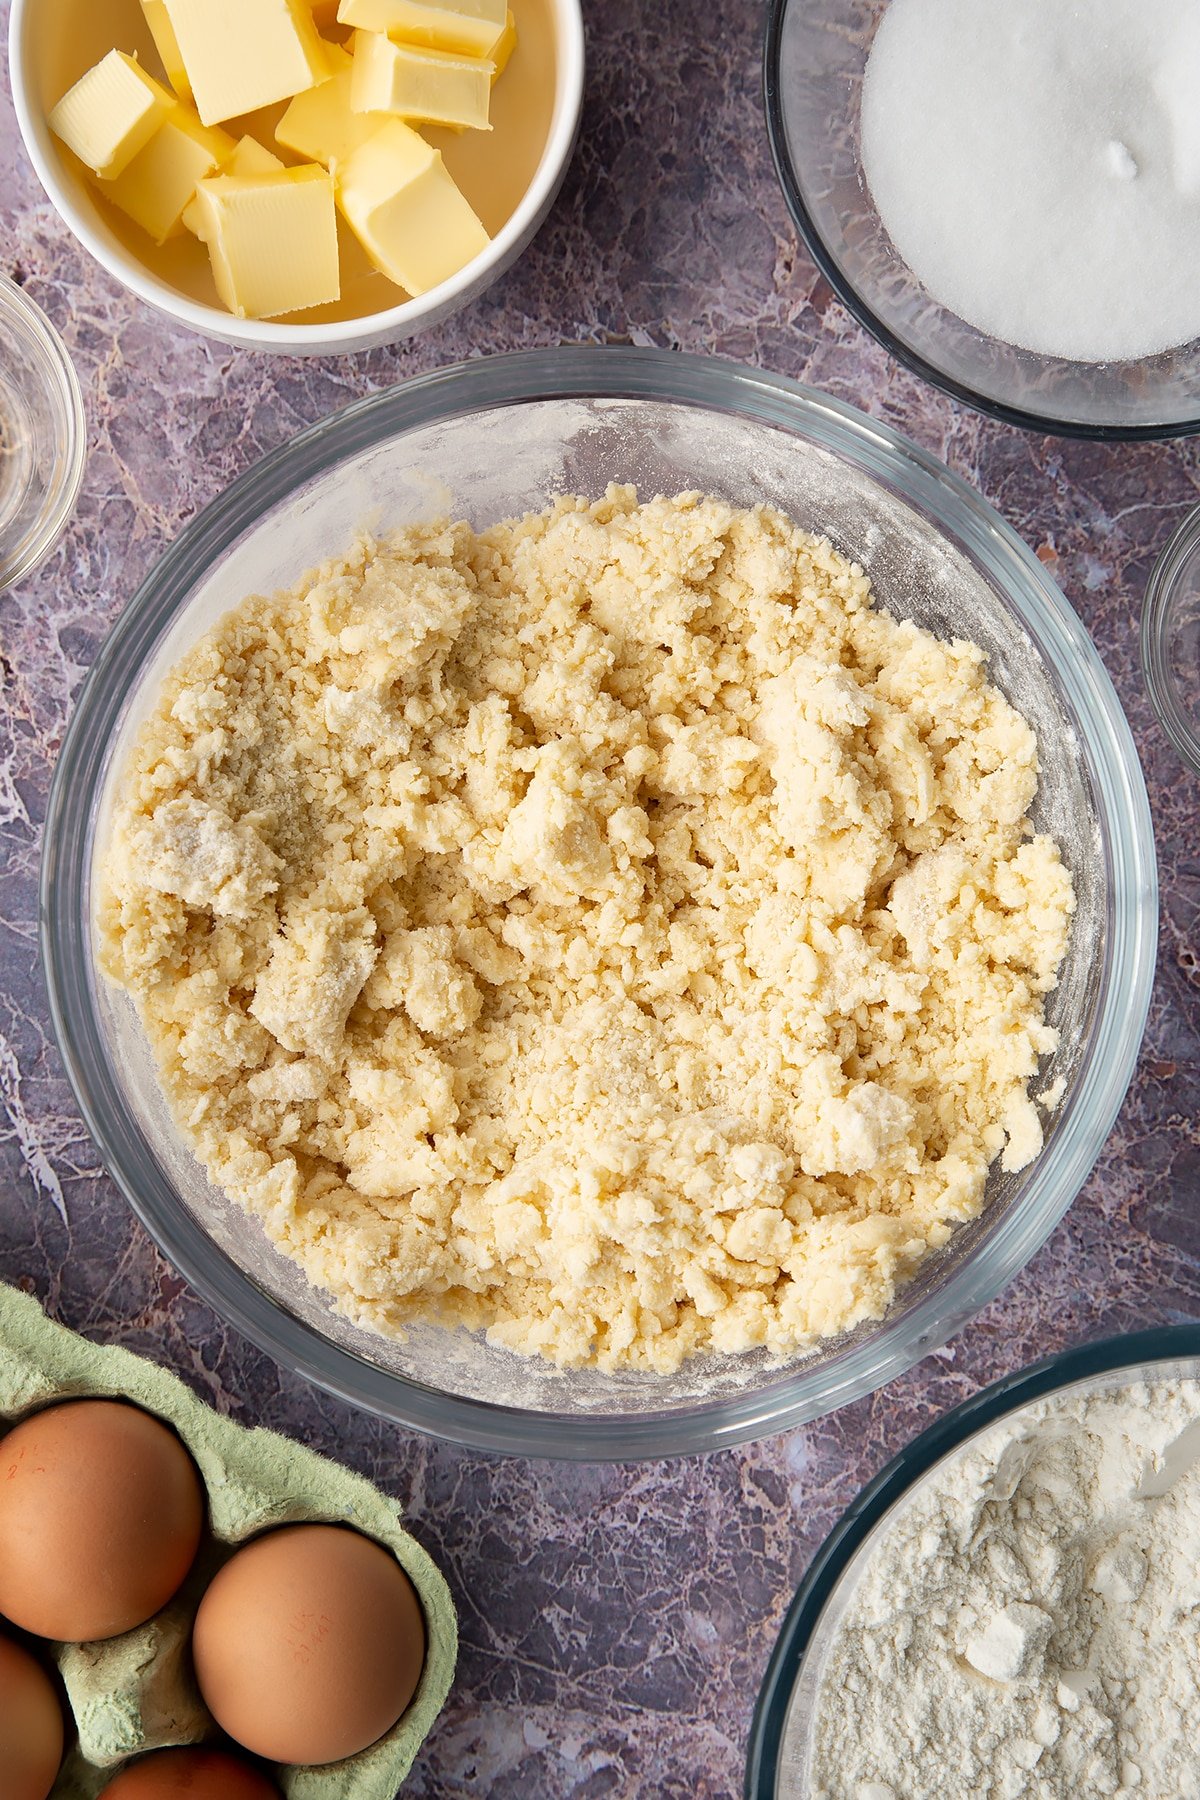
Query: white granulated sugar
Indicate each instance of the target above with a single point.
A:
(1030, 1624)
(1037, 165)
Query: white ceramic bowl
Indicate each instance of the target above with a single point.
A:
(52, 43)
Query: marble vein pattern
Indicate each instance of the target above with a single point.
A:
(616, 1621)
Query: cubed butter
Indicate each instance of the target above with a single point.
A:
(415, 83)
(502, 52)
(341, 58)
(243, 54)
(404, 206)
(249, 158)
(111, 113)
(167, 45)
(161, 180)
(463, 27)
(322, 124)
(252, 158)
(272, 239)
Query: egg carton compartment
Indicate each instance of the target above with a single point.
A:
(136, 1693)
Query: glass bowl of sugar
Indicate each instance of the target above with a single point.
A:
(993, 1613)
(1008, 198)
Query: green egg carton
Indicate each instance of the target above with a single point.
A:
(136, 1693)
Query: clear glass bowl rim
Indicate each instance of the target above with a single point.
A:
(1127, 1353)
(852, 300)
(47, 347)
(1156, 639)
(587, 372)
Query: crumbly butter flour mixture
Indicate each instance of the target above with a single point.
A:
(610, 929)
(1026, 1630)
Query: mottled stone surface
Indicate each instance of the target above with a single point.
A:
(616, 1621)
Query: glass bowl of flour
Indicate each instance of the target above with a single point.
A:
(1005, 1609)
(500, 438)
(1007, 197)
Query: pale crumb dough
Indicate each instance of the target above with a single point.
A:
(609, 929)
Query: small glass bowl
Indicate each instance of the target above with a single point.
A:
(781, 1736)
(1171, 639)
(815, 54)
(43, 435)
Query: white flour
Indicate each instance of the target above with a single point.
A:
(1037, 165)
(1030, 1626)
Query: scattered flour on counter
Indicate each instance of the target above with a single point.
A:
(1029, 1627)
(609, 930)
(1037, 166)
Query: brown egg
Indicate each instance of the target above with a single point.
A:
(101, 1510)
(309, 1644)
(192, 1774)
(31, 1726)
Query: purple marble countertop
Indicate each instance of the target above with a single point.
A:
(616, 1621)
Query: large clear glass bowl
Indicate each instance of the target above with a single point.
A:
(497, 437)
(782, 1736)
(815, 55)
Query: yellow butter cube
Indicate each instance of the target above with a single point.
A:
(111, 113)
(161, 180)
(339, 60)
(502, 52)
(404, 206)
(415, 83)
(167, 45)
(252, 158)
(243, 54)
(272, 239)
(463, 27)
(322, 124)
(249, 158)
